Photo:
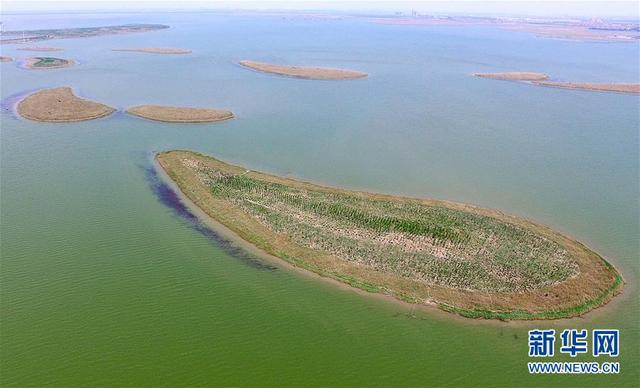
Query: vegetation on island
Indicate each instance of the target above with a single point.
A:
(47, 63)
(471, 261)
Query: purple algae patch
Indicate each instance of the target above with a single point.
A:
(168, 197)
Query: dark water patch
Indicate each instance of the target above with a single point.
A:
(168, 197)
(9, 104)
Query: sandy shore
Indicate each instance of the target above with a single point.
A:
(156, 50)
(594, 285)
(37, 63)
(40, 49)
(318, 73)
(600, 87)
(5, 59)
(60, 105)
(515, 76)
(172, 114)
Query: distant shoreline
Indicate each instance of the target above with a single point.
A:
(30, 36)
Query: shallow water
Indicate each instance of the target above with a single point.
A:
(106, 279)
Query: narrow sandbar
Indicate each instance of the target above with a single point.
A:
(476, 262)
(5, 59)
(174, 114)
(542, 79)
(599, 87)
(60, 105)
(43, 49)
(156, 50)
(515, 76)
(38, 63)
(318, 73)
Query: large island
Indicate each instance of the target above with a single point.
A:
(476, 262)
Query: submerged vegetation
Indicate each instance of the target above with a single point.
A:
(475, 262)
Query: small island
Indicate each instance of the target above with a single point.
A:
(171, 114)
(47, 63)
(156, 50)
(515, 76)
(60, 105)
(43, 49)
(316, 73)
(599, 87)
(5, 59)
(475, 262)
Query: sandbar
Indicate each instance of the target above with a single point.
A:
(156, 50)
(515, 76)
(5, 59)
(172, 114)
(37, 63)
(632, 88)
(60, 105)
(475, 262)
(317, 73)
(40, 49)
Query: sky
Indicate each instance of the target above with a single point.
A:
(548, 8)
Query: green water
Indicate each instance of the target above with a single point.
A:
(103, 284)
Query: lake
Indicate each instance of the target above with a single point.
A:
(105, 280)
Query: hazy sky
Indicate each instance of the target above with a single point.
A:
(627, 9)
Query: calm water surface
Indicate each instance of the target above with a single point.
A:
(107, 280)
